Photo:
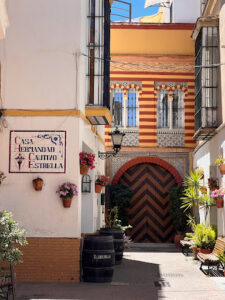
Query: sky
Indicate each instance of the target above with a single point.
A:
(137, 9)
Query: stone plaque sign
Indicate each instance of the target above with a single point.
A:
(37, 151)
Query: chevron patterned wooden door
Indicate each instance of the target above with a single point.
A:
(149, 210)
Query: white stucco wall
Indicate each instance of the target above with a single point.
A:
(42, 40)
(41, 212)
(186, 11)
(205, 157)
(40, 71)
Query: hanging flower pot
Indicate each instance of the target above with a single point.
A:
(86, 161)
(37, 184)
(219, 202)
(213, 184)
(67, 202)
(218, 195)
(214, 188)
(84, 169)
(220, 163)
(222, 169)
(203, 190)
(98, 188)
(66, 192)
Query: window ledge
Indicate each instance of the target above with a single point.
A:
(170, 131)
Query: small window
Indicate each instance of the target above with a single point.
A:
(131, 108)
(118, 108)
(86, 184)
(178, 109)
(163, 109)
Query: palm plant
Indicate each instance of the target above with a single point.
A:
(191, 196)
(206, 202)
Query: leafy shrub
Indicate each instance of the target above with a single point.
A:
(9, 235)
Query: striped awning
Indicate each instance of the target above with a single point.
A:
(4, 20)
(154, 2)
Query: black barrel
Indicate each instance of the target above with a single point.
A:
(98, 258)
(118, 241)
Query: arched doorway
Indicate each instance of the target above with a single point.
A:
(150, 178)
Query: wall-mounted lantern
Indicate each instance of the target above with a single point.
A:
(117, 138)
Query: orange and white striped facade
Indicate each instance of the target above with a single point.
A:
(165, 62)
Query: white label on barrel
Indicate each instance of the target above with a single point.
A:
(102, 256)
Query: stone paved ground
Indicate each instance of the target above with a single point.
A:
(145, 273)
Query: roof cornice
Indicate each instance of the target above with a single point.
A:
(204, 22)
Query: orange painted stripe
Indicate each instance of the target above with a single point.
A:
(148, 99)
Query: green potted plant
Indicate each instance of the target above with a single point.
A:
(120, 196)
(220, 163)
(205, 202)
(114, 228)
(178, 213)
(66, 192)
(86, 162)
(191, 195)
(221, 257)
(10, 236)
(204, 237)
(100, 182)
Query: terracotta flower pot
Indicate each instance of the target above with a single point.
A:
(205, 251)
(195, 251)
(98, 189)
(219, 202)
(67, 202)
(38, 184)
(84, 169)
(214, 188)
(177, 238)
(222, 169)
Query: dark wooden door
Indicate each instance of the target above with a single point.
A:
(149, 210)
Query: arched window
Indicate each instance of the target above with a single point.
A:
(163, 109)
(178, 109)
(118, 107)
(132, 108)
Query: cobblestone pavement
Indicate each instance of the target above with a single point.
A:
(145, 273)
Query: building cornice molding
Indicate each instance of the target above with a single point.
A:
(204, 22)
